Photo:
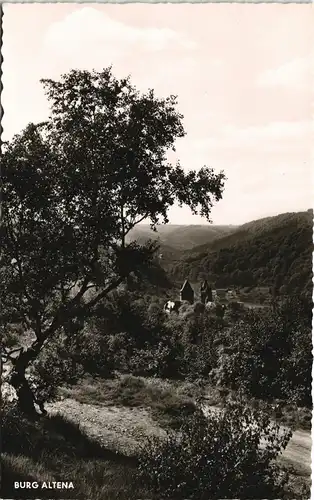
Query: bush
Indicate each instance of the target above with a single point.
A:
(229, 454)
(268, 354)
(235, 311)
(10, 334)
(163, 360)
(53, 368)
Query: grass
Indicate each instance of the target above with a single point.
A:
(286, 414)
(92, 479)
(283, 412)
(168, 401)
(55, 449)
(297, 418)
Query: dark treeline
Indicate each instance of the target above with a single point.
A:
(276, 251)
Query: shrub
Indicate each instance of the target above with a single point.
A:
(53, 368)
(235, 311)
(268, 354)
(162, 360)
(229, 454)
(198, 308)
(10, 334)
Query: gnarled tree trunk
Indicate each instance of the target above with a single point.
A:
(25, 396)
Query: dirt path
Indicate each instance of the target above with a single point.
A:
(123, 428)
(298, 452)
(118, 428)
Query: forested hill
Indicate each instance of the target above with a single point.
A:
(275, 250)
(181, 237)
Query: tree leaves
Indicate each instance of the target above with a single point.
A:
(228, 454)
(75, 185)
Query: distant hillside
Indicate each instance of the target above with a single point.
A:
(180, 237)
(275, 250)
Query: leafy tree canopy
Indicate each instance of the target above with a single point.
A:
(73, 188)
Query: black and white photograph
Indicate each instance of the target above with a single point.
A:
(156, 251)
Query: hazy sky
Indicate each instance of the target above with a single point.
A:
(243, 75)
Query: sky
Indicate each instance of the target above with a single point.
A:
(243, 74)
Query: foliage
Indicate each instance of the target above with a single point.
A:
(53, 368)
(275, 252)
(168, 401)
(235, 312)
(265, 353)
(10, 334)
(74, 187)
(127, 334)
(269, 354)
(131, 333)
(225, 455)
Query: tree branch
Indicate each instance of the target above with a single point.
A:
(133, 223)
(18, 260)
(103, 294)
(8, 353)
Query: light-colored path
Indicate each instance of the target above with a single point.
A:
(119, 428)
(298, 451)
(123, 428)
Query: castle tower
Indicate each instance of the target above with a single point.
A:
(206, 292)
(187, 292)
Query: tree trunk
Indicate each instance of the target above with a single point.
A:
(26, 398)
